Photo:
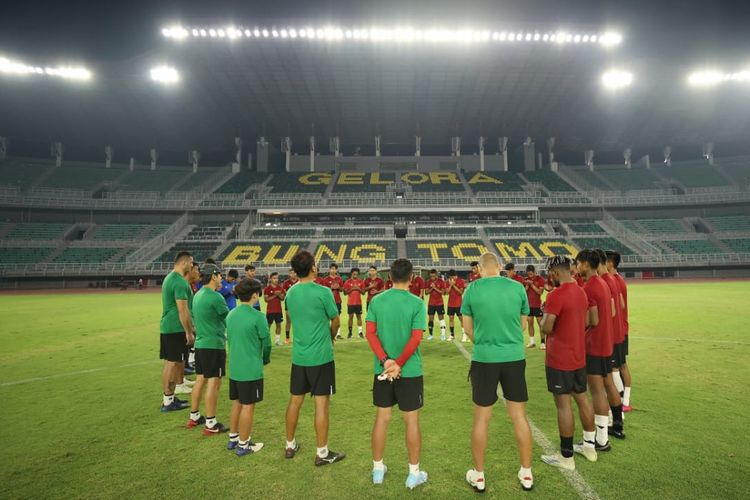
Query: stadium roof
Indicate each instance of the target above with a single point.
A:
(274, 87)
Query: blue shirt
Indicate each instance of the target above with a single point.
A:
(226, 292)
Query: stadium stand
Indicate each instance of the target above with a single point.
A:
(586, 228)
(87, 255)
(287, 232)
(655, 226)
(436, 182)
(729, 223)
(357, 232)
(283, 182)
(549, 179)
(691, 247)
(592, 179)
(9, 255)
(81, 177)
(152, 180)
(201, 250)
(494, 182)
(207, 231)
(241, 182)
(513, 229)
(197, 180)
(435, 250)
(359, 252)
(737, 168)
(446, 231)
(240, 253)
(629, 179)
(539, 248)
(605, 243)
(117, 232)
(693, 174)
(739, 245)
(21, 172)
(37, 231)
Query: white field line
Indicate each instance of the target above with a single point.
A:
(81, 372)
(577, 481)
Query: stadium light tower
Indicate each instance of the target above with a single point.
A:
(312, 153)
(481, 153)
(165, 74)
(194, 157)
(237, 165)
(503, 143)
(708, 152)
(377, 145)
(627, 154)
(154, 155)
(456, 146)
(108, 154)
(57, 151)
(417, 145)
(551, 153)
(617, 79)
(668, 156)
(286, 148)
(588, 158)
(3, 147)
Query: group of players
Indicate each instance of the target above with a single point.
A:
(583, 325)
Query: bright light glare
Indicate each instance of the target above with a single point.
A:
(165, 74)
(10, 66)
(610, 39)
(709, 78)
(616, 79)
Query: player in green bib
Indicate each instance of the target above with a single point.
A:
(249, 350)
(209, 312)
(175, 328)
(396, 320)
(315, 319)
(494, 313)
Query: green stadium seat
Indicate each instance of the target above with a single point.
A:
(86, 255)
(361, 253)
(359, 232)
(480, 182)
(21, 172)
(240, 182)
(447, 231)
(116, 232)
(537, 247)
(37, 231)
(207, 231)
(81, 176)
(586, 228)
(197, 180)
(435, 249)
(738, 245)
(152, 180)
(513, 229)
(729, 223)
(549, 179)
(266, 253)
(629, 179)
(270, 233)
(605, 243)
(693, 174)
(692, 247)
(201, 250)
(287, 182)
(31, 255)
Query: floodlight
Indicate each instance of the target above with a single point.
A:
(221, 33)
(284, 33)
(615, 79)
(248, 33)
(212, 33)
(165, 74)
(536, 37)
(265, 33)
(610, 39)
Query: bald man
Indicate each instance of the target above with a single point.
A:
(494, 314)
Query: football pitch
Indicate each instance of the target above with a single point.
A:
(80, 396)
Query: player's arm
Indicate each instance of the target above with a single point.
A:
(535, 288)
(467, 323)
(185, 319)
(548, 323)
(614, 311)
(265, 340)
(622, 301)
(269, 295)
(592, 318)
(371, 333)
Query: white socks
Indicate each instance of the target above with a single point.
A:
(378, 465)
(442, 327)
(359, 330)
(195, 415)
(413, 469)
(167, 400)
(278, 338)
(524, 472)
(601, 421)
(211, 422)
(234, 436)
(588, 438)
(626, 397)
(290, 445)
(323, 452)
(618, 381)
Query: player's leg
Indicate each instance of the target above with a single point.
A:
(246, 423)
(338, 332)
(522, 432)
(430, 321)
(479, 435)
(213, 426)
(542, 336)
(566, 428)
(288, 326)
(601, 410)
(359, 325)
(379, 435)
(626, 382)
(441, 318)
(586, 415)
(234, 417)
(292, 417)
(413, 448)
(530, 327)
(350, 324)
(322, 406)
(451, 324)
(195, 398)
(615, 406)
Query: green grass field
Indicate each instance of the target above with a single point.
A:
(80, 392)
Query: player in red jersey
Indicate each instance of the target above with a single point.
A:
(388, 284)
(273, 294)
(335, 283)
(613, 262)
(373, 284)
(510, 272)
(353, 289)
(534, 285)
(575, 274)
(599, 347)
(455, 289)
(564, 322)
(437, 288)
(287, 284)
(474, 274)
(417, 285)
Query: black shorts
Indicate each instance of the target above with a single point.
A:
(354, 309)
(510, 374)
(173, 347)
(536, 312)
(314, 380)
(435, 309)
(338, 306)
(618, 356)
(406, 392)
(274, 318)
(598, 365)
(454, 311)
(247, 392)
(566, 381)
(210, 362)
(625, 350)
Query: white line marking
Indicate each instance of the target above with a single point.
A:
(577, 481)
(672, 339)
(81, 372)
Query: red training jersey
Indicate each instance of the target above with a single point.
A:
(456, 297)
(389, 284)
(599, 338)
(352, 288)
(335, 283)
(379, 285)
(436, 297)
(320, 280)
(618, 334)
(273, 305)
(535, 299)
(566, 345)
(287, 284)
(579, 279)
(416, 286)
(473, 277)
(624, 292)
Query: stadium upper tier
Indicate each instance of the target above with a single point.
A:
(89, 255)
(36, 231)
(729, 223)
(373, 252)
(549, 180)
(122, 232)
(242, 181)
(655, 226)
(688, 247)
